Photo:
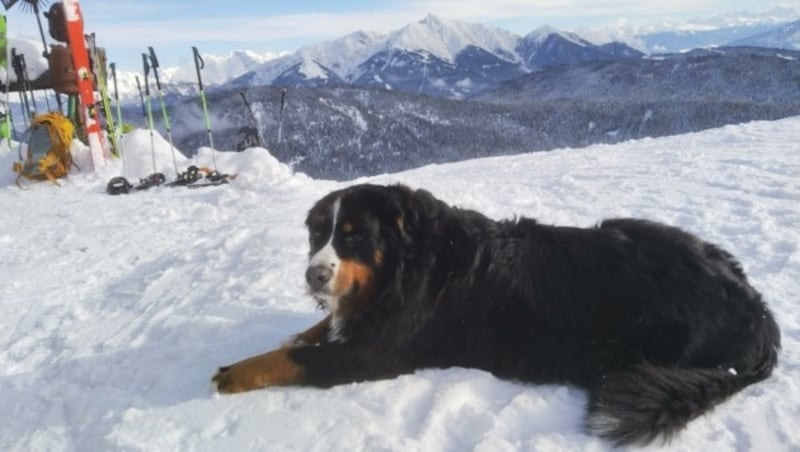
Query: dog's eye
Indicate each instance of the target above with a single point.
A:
(315, 237)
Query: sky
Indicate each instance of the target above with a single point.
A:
(127, 27)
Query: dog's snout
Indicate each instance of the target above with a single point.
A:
(317, 276)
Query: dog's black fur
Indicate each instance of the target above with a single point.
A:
(657, 325)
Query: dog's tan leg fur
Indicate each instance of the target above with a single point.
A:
(275, 368)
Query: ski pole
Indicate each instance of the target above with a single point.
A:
(118, 129)
(154, 65)
(27, 82)
(198, 65)
(148, 110)
(23, 93)
(253, 116)
(280, 115)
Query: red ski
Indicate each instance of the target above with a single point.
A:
(80, 56)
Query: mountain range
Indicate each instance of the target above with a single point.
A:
(445, 58)
(344, 132)
(719, 30)
(784, 36)
(439, 91)
(435, 57)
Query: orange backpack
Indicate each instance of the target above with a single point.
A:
(48, 156)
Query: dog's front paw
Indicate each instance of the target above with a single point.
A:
(275, 368)
(233, 379)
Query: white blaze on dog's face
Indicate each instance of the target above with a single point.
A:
(324, 264)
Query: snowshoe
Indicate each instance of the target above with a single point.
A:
(190, 176)
(118, 186)
(150, 181)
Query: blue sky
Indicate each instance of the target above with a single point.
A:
(126, 27)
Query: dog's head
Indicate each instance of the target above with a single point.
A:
(357, 236)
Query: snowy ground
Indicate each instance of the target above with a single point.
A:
(115, 311)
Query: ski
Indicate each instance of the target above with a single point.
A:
(118, 129)
(5, 110)
(98, 59)
(80, 55)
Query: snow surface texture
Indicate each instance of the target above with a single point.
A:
(116, 311)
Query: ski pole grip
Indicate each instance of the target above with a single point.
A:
(146, 63)
(154, 64)
(15, 62)
(198, 64)
(113, 68)
(153, 58)
(141, 96)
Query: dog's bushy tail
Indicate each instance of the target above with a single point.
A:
(647, 402)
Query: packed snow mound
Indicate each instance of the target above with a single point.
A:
(144, 154)
(115, 311)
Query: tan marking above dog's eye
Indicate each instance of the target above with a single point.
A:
(347, 227)
(319, 219)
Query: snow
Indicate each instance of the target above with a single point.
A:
(34, 60)
(116, 311)
(219, 69)
(635, 35)
(540, 35)
(312, 70)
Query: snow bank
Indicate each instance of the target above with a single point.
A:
(115, 311)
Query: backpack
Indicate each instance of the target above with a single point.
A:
(48, 156)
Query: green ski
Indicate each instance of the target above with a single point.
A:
(5, 111)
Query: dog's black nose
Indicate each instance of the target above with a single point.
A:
(317, 276)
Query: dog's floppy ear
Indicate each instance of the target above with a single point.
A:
(417, 212)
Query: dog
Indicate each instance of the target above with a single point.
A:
(655, 324)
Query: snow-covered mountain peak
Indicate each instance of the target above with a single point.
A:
(342, 54)
(773, 16)
(785, 36)
(447, 38)
(541, 34)
(219, 69)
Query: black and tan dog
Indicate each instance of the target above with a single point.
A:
(657, 325)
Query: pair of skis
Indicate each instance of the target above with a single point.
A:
(193, 177)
